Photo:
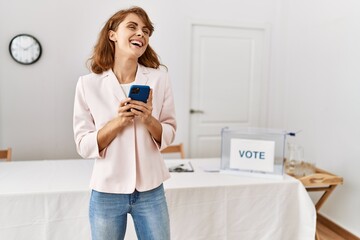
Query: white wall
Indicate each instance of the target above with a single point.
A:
(313, 73)
(321, 94)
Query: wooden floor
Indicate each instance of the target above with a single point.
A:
(326, 233)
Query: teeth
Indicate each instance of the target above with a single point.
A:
(137, 43)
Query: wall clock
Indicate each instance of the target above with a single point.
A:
(25, 49)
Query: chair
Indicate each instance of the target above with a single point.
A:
(178, 148)
(5, 154)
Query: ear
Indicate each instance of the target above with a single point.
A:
(112, 35)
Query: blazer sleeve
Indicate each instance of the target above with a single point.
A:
(85, 132)
(167, 116)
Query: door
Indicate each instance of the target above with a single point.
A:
(228, 83)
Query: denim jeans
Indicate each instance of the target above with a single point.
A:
(108, 215)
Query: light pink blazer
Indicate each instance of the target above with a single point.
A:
(133, 159)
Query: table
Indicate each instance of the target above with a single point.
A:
(49, 200)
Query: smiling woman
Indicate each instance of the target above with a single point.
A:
(124, 133)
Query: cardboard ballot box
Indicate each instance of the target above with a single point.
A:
(253, 151)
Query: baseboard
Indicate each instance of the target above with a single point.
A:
(336, 228)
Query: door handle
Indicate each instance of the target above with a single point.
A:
(192, 111)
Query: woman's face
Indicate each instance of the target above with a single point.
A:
(131, 37)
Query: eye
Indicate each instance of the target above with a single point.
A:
(146, 31)
(132, 26)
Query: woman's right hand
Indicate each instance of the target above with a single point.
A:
(125, 116)
(107, 133)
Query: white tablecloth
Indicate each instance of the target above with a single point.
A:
(48, 200)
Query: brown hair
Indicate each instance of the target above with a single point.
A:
(104, 50)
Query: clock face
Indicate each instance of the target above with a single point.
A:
(25, 49)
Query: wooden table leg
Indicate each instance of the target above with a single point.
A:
(321, 201)
(324, 197)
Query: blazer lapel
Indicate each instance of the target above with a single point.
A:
(140, 78)
(114, 85)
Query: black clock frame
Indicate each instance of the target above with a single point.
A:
(28, 35)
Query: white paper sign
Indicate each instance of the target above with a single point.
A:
(257, 155)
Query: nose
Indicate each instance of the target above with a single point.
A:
(139, 33)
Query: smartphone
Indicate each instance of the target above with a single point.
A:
(139, 92)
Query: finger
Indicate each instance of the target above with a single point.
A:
(126, 113)
(143, 112)
(146, 108)
(125, 101)
(137, 104)
(142, 115)
(124, 109)
(138, 109)
(124, 105)
(150, 96)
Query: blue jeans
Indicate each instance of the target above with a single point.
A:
(108, 215)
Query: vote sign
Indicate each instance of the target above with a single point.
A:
(248, 154)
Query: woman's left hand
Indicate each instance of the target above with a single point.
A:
(143, 110)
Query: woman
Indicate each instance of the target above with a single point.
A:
(123, 135)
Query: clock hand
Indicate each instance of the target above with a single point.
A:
(29, 46)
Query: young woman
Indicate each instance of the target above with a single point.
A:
(125, 136)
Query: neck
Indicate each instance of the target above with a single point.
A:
(125, 70)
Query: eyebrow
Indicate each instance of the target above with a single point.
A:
(131, 22)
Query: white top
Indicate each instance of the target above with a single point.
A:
(126, 87)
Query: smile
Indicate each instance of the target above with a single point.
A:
(137, 43)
